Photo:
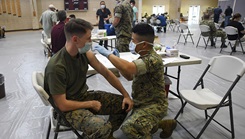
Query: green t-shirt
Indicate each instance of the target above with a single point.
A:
(66, 74)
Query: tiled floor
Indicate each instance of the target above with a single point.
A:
(23, 116)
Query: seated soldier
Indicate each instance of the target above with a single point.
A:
(213, 31)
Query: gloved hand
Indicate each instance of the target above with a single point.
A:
(116, 53)
(111, 27)
(102, 51)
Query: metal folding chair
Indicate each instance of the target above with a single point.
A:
(185, 32)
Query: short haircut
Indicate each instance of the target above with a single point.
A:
(72, 16)
(61, 15)
(77, 27)
(145, 32)
(132, 1)
(237, 15)
(102, 1)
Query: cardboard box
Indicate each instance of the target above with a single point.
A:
(172, 52)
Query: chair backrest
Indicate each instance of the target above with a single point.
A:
(204, 28)
(229, 30)
(227, 67)
(158, 21)
(37, 82)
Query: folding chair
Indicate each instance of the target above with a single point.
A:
(226, 68)
(204, 29)
(185, 32)
(176, 25)
(170, 25)
(47, 50)
(37, 81)
(233, 37)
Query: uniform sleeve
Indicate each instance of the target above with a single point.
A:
(135, 9)
(141, 67)
(97, 13)
(109, 12)
(212, 26)
(118, 11)
(240, 27)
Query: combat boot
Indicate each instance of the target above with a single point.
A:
(167, 127)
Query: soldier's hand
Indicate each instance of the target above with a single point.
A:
(129, 102)
(95, 105)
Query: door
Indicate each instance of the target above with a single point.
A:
(194, 14)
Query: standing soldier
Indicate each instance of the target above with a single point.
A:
(123, 19)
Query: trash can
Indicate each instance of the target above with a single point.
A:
(2, 90)
(167, 84)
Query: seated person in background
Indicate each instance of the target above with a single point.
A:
(72, 16)
(163, 23)
(65, 80)
(235, 22)
(213, 31)
(58, 38)
(148, 87)
(2, 32)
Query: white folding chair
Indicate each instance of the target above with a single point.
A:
(176, 25)
(55, 123)
(46, 49)
(228, 69)
(204, 29)
(185, 32)
(233, 38)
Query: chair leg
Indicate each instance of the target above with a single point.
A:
(231, 118)
(185, 37)
(242, 47)
(48, 132)
(192, 40)
(198, 40)
(206, 45)
(178, 39)
(206, 114)
(180, 111)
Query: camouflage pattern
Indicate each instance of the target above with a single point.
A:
(149, 96)
(124, 28)
(95, 127)
(122, 44)
(213, 31)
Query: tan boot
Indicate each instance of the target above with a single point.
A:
(167, 127)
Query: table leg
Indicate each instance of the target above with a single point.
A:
(178, 82)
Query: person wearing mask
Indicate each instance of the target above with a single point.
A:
(123, 18)
(48, 19)
(65, 80)
(213, 31)
(217, 12)
(148, 86)
(58, 38)
(228, 13)
(235, 22)
(135, 12)
(103, 15)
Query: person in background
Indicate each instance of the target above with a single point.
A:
(72, 16)
(213, 31)
(48, 19)
(148, 86)
(65, 80)
(58, 38)
(135, 12)
(228, 13)
(235, 22)
(2, 32)
(123, 18)
(217, 12)
(103, 15)
(163, 23)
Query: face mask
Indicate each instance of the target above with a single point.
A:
(86, 48)
(102, 6)
(132, 47)
(132, 5)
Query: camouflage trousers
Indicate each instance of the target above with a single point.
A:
(143, 121)
(88, 121)
(122, 44)
(218, 33)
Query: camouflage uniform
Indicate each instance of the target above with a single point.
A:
(66, 74)
(124, 27)
(213, 31)
(149, 96)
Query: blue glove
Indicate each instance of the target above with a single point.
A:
(116, 53)
(102, 50)
(111, 27)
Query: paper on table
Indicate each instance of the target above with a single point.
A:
(168, 60)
